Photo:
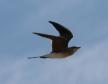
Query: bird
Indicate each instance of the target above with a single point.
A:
(60, 47)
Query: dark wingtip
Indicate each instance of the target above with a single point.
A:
(52, 22)
(49, 21)
(35, 33)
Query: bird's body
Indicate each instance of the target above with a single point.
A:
(61, 54)
(60, 47)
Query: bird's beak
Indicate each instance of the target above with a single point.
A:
(79, 47)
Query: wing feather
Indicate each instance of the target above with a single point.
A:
(63, 31)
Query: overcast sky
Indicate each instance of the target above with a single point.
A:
(88, 21)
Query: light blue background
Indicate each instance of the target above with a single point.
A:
(87, 19)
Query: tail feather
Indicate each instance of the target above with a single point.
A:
(32, 57)
(43, 57)
(37, 57)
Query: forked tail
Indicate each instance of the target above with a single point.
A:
(37, 57)
(32, 57)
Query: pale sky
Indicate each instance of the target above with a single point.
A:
(88, 21)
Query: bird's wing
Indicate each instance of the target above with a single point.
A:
(64, 32)
(58, 43)
(47, 36)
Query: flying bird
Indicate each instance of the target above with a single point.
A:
(60, 47)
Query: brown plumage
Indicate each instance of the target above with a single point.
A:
(60, 47)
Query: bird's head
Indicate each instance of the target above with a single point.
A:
(73, 49)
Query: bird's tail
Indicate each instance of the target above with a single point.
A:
(32, 57)
(37, 57)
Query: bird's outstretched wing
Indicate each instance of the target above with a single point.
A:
(59, 43)
(63, 31)
(47, 36)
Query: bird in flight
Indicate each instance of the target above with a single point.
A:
(60, 47)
